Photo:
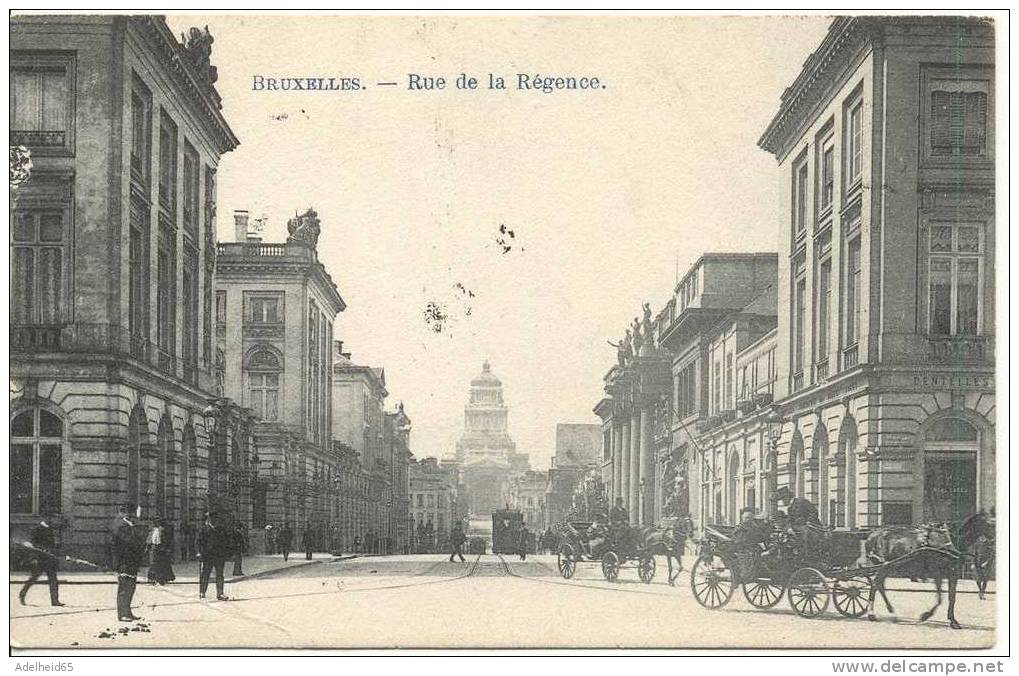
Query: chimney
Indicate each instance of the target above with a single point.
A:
(240, 225)
(338, 350)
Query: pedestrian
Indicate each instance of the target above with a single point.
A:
(270, 539)
(42, 544)
(524, 542)
(240, 546)
(309, 541)
(128, 551)
(357, 544)
(160, 545)
(284, 540)
(214, 545)
(185, 541)
(457, 539)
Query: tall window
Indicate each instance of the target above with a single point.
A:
(955, 278)
(141, 133)
(313, 368)
(854, 144)
(190, 304)
(138, 270)
(717, 386)
(799, 315)
(800, 186)
(166, 294)
(958, 118)
(167, 163)
(854, 280)
(823, 308)
(37, 262)
(827, 174)
(221, 307)
(42, 101)
(191, 178)
(729, 375)
(686, 389)
(37, 438)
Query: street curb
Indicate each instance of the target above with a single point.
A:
(188, 581)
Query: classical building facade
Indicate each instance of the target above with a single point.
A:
(397, 439)
(433, 504)
(275, 310)
(527, 495)
(578, 454)
(885, 149)
(112, 257)
(486, 456)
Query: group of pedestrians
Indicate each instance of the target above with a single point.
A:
(134, 545)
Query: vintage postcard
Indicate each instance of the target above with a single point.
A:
(519, 330)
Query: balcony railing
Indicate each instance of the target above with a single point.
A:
(797, 381)
(38, 139)
(850, 356)
(821, 371)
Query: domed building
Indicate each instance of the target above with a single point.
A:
(485, 453)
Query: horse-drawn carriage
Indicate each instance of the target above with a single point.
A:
(810, 567)
(813, 566)
(616, 547)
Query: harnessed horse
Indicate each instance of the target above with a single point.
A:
(667, 541)
(931, 552)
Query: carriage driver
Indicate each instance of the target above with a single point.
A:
(751, 531)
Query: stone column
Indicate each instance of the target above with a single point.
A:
(624, 465)
(635, 444)
(617, 460)
(646, 471)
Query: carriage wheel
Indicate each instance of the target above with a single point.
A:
(712, 581)
(851, 596)
(610, 566)
(646, 568)
(763, 593)
(808, 592)
(567, 561)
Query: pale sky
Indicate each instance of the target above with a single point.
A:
(604, 190)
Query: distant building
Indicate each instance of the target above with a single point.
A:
(112, 258)
(527, 495)
(397, 440)
(433, 504)
(578, 453)
(486, 456)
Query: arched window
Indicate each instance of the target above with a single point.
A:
(734, 483)
(263, 373)
(845, 491)
(164, 451)
(37, 438)
(795, 462)
(136, 433)
(188, 478)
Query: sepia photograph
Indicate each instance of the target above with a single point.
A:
(488, 331)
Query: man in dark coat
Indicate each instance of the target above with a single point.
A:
(240, 542)
(215, 544)
(801, 512)
(618, 516)
(523, 542)
(284, 539)
(128, 552)
(43, 549)
(309, 541)
(457, 538)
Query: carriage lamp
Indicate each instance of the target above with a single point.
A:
(775, 424)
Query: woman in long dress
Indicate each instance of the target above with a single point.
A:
(160, 543)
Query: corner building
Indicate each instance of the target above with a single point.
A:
(112, 258)
(885, 351)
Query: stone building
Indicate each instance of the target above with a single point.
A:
(885, 350)
(486, 456)
(112, 258)
(433, 504)
(578, 453)
(397, 439)
(275, 310)
(527, 495)
(359, 394)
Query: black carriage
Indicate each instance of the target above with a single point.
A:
(810, 566)
(615, 548)
(506, 525)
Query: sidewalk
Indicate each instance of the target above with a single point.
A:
(187, 572)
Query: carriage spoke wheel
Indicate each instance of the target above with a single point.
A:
(646, 568)
(763, 593)
(808, 592)
(851, 596)
(610, 566)
(567, 561)
(712, 581)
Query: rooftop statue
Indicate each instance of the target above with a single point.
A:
(198, 45)
(305, 227)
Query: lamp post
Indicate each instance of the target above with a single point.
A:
(775, 424)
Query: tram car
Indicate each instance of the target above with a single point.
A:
(506, 524)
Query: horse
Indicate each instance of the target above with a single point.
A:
(924, 552)
(983, 564)
(667, 541)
